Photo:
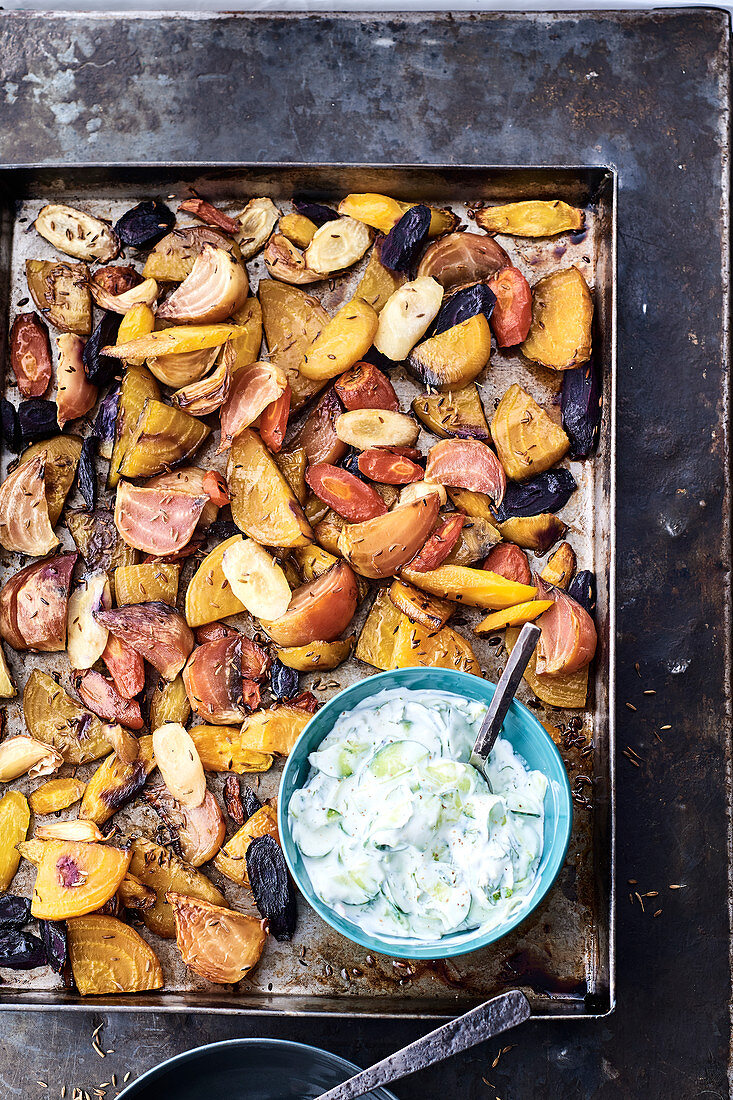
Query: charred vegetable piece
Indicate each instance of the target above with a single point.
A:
(316, 211)
(467, 464)
(380, 547)
(218, 944)
(284, 682)
(30, 354)
(456, 356)
(406, 317)
(25, 525)
(137, 387)
(531, 218)
(52, 716)
(263, 504)
(347, 495)
(114, 783)
(474, 587)
(231, 860)
(87, 473)
(145, 225)
(509, 561)
(380, 464)
(463, 305)
(292, 321)
(158, 521)
(164, 437)
(476, 539)
(318, 436)
(439, 545)
(461, 259)
(582, 588)
(581, 409)
(15, 912)
(275, 730)
(209, 596)
(220, 749)
(108, 956)
(103, 699)
(75, 878)
(318, 611)
(416, 645)
(560, 566)
(21, 950)
(162, 871)
(100, 368)
(512, 314)
(419, 606)
(562, 315)
(209, 214)
(98, 541)
(14, 821)
(273, 891)
(377, 639)
(55, 944)
(200, 830)
(399, 249)
(548, 492)
(250, 802)
(364, 386)
(536, 533)
(286, 262)
(55, 795)
(527, 441)
(34, 603)
(76, 233)
(233, 800)
(61, 293)
(10, 425)
(37, 418)
(158, 633)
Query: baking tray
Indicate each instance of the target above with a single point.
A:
(563, 955)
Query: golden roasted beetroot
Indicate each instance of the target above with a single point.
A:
(342, 342)
(415, 645)
(146, 582)
(509, 561)
(75, 396)
(346, 494)
(214, 682)
(173, 257)
(163, 437)
(317, 656)
(55, 795)
(114, 783)
(461, 259)
(568, 640)
(24, 521)
(527, 440)
(231, 859)
(220, 749)
(560, 566)
(158, 521)
(439, 545)
(125, 665)
(75, 878)
(200, 830)
(467, 464)
(378, 283)
(160, 870)
(560, 336)
(531, 218)
(364, 386)
(567, 690)
(474, 587)
(30, 354)
(263, 504)
(319, 610)
(169, 703)
(512, 313)
(52, 716)
(107, 956)
(380, 547)
(138, 385)
(33, 605)
(158, 633)
(518, 615)
(476, 539)
(292, 320)
(536, 533)
(218, 944)
(254, 388)
(103, 699)
(454, 357)
(14, 821)
(276, 729)
(318, 436)
(458, 413)
(376, 641)
(209, 596)
(61, 453)
(427, 610)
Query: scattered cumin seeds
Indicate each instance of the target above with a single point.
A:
(678, 886)
(631, 706)
(658, 913)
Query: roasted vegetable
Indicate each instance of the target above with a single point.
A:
(318, 436)
(568, 640)
(568, 690)
(385, 466)
(231, 859)
(21, 950)
(125, 666)
(138, 386)
(510, 561)
(101, 696)
(169, 703)
(208, 213)
(179, 764)
(140, 294)
(317, 656)
(10, 425)
(337, 245)
(253, 389)
(15, 911)
(376, 642)
(75, 878)
(583, 589)
(263, 504)
(531, 218)
(140, 583)
(86, 639)
(467, 464)
(55, 795)
(30, 354)
(33, 605)
(220, 749)
(474, 587)
(560, 566)
(14, 821)
(416, 645)
(271, 886)
(86, 472)
(55, 944)
(158, 521)
(160, 870)
(284, 683)
(378, 284)
(365, 428)
(460, 259)
(188, 367)
(286, 262)
(108, 956)
(439, 545)
(581, 409)
(216, 286)
(318, 611)
(52, 716)
(85, 832)
(299, 229)
(99, 367)
(366, 387)
(37, 419)
(233, 800)
(536, 533)
(256, 223)
(315, 211)
(464, 304)
(292, 321)
(527, 441)
(176, 341)
(458, 413)
(99, 542)
(399, 249)
(475, 541)
(380, 547)
(125, 745)
(275, 730)
(562, 315)
(214, 683)
(418, 606)
(114, 783)
(512, 316)
(382, 213)
(547, 492)
(256, 579)
(347, 495)
(138, 321)
(342, 342)
(200, 830)
(145, 225)
(512, 616)
(173, 257)
(455, 357)
(156, 631)
(218, 944)
(209, 596)
(61, 293)
(164, 437)
(24, 520)
(77, 234)
(406, 317)
(273, 421)
(25, 755)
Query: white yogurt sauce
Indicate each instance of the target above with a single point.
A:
(401, 835)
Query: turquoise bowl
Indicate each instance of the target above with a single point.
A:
(528, 737)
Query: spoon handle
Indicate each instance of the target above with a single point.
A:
(505, 691)
(466, 1031)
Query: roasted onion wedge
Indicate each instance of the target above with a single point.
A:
(102, 698)
(218, 944)
(157, 632)
(77, 234)
(24, 522)
(182, 369)
(216, 287)
(467, 464)
(568, 640)
(254, 388)
(156, 520)
(208, 394)
(75, 396)
(460, 259)
(200, 830)
(380, 547)
(286, 262)
(34, 604)
(144, 293)
(319, 610)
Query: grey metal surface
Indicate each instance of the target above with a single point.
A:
(650, 93)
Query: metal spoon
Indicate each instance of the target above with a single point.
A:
(505, 691)
(489, 1019)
